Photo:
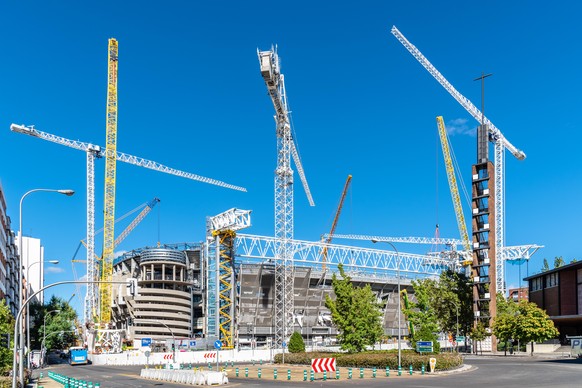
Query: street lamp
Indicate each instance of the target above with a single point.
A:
(399, 302)
(28, 288)
(44, 329)
(68, 193)
(456, 338)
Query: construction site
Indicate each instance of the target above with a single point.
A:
(250, 291)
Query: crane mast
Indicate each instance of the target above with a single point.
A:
(284, 303)
(110, 172)
(329, 237)
(454, 191)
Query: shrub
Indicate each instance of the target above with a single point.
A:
(296, 344)
(378, 359)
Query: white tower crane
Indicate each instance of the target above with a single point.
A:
(495, 135)
(270, 70)
(93, 151)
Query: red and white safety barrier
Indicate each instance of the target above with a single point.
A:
(209, 355)
(168, 356)
(323, 364)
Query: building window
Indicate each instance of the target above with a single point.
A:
(552, 280)
(536, 284)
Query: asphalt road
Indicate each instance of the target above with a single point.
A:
(497, 371)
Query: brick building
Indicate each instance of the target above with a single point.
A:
(559, 292)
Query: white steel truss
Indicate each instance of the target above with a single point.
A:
(286, 148)
(356, 260)
(453, 242)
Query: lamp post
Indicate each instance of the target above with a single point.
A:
(457, 336)
(68, 193)
(29, 288)
(399, 302)
(44, 330)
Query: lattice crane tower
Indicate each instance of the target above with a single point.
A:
(284, 304)
(110, 172)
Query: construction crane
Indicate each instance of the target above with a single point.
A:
(147, 207)
(495, 135)
(110, 172)
(286, 147)
(467, 254)
(329, 236)
(94, 151)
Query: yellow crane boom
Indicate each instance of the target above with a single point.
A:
(454, 188)
(110, 169)
(335, 220)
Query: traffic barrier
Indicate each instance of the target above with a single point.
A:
(387, 371)
(304, 375)
(288, 374)
(337, 375)
(410, 370)
(361, 373)
(349, 373)
(323, 364)
(275, 374)
(374, 372)
(399, 370)
(185, 377)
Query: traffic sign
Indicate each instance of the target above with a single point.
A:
(146, 342)
(424, 346)
(460, 338)
(217, 344)
(284, 344)
(192, 344)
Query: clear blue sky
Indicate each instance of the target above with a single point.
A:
(191, 97)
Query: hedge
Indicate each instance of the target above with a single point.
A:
(378, 359)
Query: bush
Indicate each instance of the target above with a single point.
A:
(296, 344)
(378, 359)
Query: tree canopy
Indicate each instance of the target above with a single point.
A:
(60, 319)
(355, 312)
(523, 321)
(6, 327)
(442, 305)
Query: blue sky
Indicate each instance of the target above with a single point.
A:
(191, 97)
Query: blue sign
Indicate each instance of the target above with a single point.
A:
(284, 344)
(217, 344)
(424, 343)
(192, 344)
(146, 342)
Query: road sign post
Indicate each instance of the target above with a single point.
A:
(217, 346)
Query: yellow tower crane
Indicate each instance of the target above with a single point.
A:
(466, 257)
(110, 167)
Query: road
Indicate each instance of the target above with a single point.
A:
(495, 371)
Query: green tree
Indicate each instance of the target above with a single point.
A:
(545, 266)
(355, 312)
(452, 301)
(421, 314)
(478, 334)
(559, 261)
(6, 327)
(296, 344)
(60, 326)
(524, 321)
